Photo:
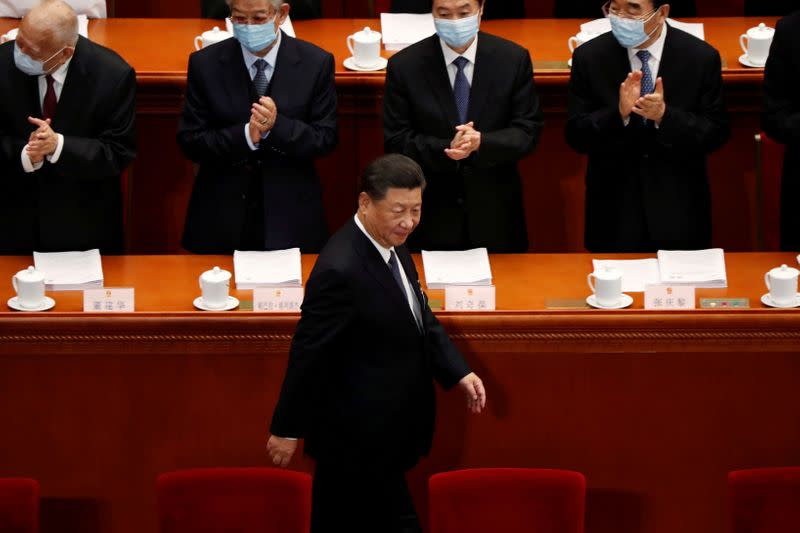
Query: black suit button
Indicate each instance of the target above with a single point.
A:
(460, 201)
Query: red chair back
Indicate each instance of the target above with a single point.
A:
(244, 500)
(19, 505)
(511, 500)
(765, 500)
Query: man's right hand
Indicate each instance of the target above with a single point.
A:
(281, 450)
(629, 92)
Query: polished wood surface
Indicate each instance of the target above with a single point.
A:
(553, 177)
(653, 407)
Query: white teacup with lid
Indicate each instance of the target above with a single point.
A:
(215, 284)
(210, 37)
(365, 46)
(10, 36)
(758, 40)
(607, 286)
(29, 284)
(782, 285)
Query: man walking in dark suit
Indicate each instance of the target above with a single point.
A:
(781, 119)
(463, 105)
(66, 135)
(259, 110)
(359, 386)
(645, 103)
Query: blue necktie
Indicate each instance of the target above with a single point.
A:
(648, 84)
(260, 81)
(461, 88)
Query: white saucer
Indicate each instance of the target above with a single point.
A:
(624, 302)
(47, 303)
(233, 303)
(766, 300)
(569, 62)
(350, 64)
(744, 60)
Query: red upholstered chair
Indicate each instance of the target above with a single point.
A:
(244, 500)
(765, 500)
(19, 505)
(507, 500)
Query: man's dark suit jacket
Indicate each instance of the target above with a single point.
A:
(494, 9)
(478, 201)
(76, 203)
(593, 9)
(211, 133)
(781, 119)
(359, 387)
(300, 9)
(647, 187)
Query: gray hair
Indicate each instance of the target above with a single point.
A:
(58, 19)
(275, 3)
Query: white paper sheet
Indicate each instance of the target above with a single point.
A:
(636, 273)
(400, 30)
(468, 267)
(70, 271)
(701, 268)
(279, 268)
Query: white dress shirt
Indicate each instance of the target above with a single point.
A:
(250, 61)
(656, 53)
(59, 77)
(386, 254)
(450, 55)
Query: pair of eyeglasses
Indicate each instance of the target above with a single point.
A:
(608, 9)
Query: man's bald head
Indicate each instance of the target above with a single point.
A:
(49, 32)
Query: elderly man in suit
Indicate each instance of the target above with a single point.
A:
(781, 119)
(645, 103)
(259, 110)
(359, 386)
(67, 111)
(462, 104)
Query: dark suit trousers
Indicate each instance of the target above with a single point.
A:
(359, 499)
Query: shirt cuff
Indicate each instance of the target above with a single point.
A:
(53, 158)
(252, 146)
(626, 121)
(28, 165)
(286, 438)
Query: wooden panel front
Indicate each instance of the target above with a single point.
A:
(654, 408)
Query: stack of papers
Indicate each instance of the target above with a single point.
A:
(470, 267)
(70, 271)
(600, 26)
(280, 268)
(400, 30)
(636, 274)
(700, 268)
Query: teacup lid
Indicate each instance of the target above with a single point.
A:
(30, 275)
(215, 275)
(762, 31)
(784, 272)
(367, 35)
(607, 272)
(216, 34)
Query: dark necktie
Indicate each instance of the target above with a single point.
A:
(648, 84)
(49, 104)
(394, 265)
(461, 88)
(260, 81)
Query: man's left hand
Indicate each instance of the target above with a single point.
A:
(652, 106)
(43, 141)
(264, 113)
(472, 386)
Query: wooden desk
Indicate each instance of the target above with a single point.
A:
(653, 407)
(553, 186)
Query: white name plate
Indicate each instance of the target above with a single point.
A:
(470, 298)
(666, 297)
(108, 300)
(277, 299)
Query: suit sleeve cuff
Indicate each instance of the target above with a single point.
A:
(252, 146)
(53, 158)
(28, 165)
